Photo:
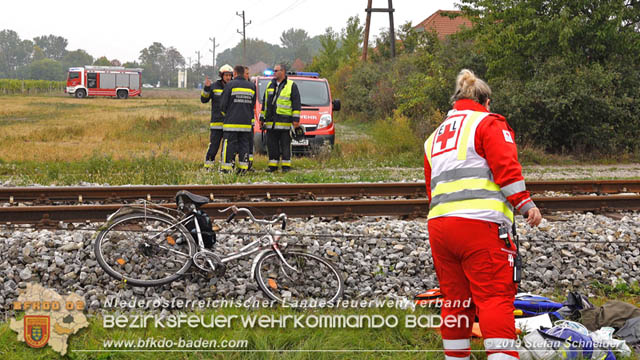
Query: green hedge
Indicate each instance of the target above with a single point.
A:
(29, 87)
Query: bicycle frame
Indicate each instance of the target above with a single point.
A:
(263, 244)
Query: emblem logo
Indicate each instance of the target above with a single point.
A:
(507, 136)
(447, 135)
(36, 330)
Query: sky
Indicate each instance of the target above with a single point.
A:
(120, 29)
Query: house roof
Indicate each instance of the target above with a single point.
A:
(444, 25)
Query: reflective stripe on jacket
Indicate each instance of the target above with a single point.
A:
(461, 180)
(214, 94)
(238, 102)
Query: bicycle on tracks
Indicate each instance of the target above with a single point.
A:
(151, 245)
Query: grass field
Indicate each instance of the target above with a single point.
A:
(161, 138)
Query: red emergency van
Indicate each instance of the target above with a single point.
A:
(316, 115)
(104, 81)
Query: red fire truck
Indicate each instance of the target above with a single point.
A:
(104, 81)
(316, 115)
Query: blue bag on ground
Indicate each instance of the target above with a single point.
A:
(532, 305)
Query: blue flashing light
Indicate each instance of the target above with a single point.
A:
(267, 72)
(307, 73)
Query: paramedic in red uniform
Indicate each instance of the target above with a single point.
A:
(475, 184)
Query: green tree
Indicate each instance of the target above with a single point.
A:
(38, 54)
(566, 73)
(294, 38)
(351, 38)
(382, 47)
(517, 36)
(54, 47)
(257, 50)
(45, 69)
(76, 58)
(14, 53)
(295, 46)
(131, 64)
(328, 59)
(102, 61)
(152, 59)
(172, 61)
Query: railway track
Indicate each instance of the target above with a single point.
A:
(266, 192)
(52, 215)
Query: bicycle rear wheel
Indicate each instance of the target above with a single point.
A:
(314, 278)
(145, 249)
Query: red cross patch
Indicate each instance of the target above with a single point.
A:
(447, 135)
(507, 136)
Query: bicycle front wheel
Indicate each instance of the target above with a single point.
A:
(144, 250)
(312, 277)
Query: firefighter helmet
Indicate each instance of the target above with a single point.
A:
(226, 68)
(297, 134)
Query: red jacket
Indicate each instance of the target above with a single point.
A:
(492, 143)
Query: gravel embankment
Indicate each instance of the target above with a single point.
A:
(387, 257)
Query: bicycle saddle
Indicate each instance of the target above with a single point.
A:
(191, 197)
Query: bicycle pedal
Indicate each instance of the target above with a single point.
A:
(220, 269)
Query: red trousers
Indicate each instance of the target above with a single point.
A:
(472, 262)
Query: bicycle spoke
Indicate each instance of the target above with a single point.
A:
(145, 249)
(313, 278)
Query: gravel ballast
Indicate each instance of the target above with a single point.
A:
(382, 257)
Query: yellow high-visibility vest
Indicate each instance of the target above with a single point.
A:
(461, 180)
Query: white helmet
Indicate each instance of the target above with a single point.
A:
(225, 68)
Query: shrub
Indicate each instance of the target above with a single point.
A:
(587, 108)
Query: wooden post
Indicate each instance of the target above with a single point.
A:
(365, 45)
(392, 30)
(392, 33)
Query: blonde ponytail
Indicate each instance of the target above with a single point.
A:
(468, 86)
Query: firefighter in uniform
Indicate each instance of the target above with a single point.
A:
(474, 183)
(280, 111)
(213, 92)
(238, 102)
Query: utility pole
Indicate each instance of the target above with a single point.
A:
(213, 50)
(392, 30)
(189, 59)
(198, 53)
(244, 37)
(392, 33)
(365, 46)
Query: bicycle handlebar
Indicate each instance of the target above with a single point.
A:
(235, 210)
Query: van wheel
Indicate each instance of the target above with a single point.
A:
(81, 93)
(123, 94)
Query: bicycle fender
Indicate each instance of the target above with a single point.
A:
(127, 209)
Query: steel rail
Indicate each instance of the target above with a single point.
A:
(118, 194)
(52, 215)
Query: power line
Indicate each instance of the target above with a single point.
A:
(292, 6)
